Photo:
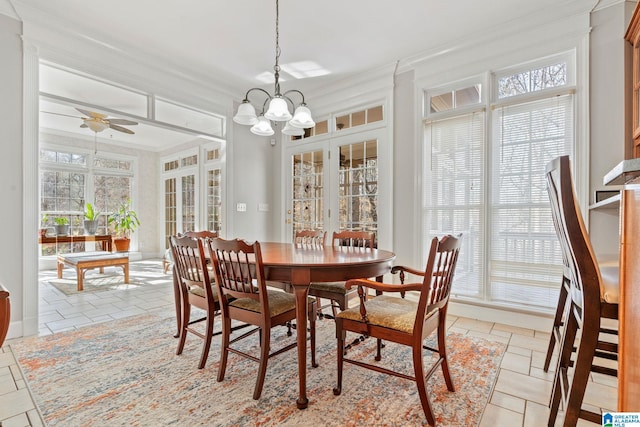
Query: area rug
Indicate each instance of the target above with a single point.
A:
(126, 373)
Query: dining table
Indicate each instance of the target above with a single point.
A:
(301, 265)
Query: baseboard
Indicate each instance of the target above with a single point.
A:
(540, 322)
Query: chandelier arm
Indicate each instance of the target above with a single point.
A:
(246, 97)
(296, 91)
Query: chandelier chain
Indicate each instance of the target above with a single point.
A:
(276, 68)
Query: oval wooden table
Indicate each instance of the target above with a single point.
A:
(301, 265)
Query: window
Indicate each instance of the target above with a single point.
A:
(70, 179)
(491, 187)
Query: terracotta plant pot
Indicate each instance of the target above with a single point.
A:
(121, 244)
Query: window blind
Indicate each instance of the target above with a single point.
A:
(454, 193)
(525, 262)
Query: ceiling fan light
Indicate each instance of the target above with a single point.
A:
(96, 125)
(302, 118)
(278, 110)
(292, 130)
(262, 127)
(246, 114)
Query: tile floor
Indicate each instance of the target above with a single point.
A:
(520, 396)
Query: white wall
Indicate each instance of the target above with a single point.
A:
(11, 182)
(610, 111)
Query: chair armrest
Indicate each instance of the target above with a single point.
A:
(384, 287)
(402, 269)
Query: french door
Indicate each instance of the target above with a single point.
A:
(340, 183)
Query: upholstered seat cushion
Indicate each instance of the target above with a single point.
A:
(197, 290)
(386, 311)
(610, 283)
(335, 287)
(279, 302)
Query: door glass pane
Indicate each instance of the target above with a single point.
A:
(214, 200)
(170, 204)
(358, 186)
(308, 191)
(188, 203)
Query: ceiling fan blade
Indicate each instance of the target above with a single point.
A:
(60, 114)
(84, 126)
(121, 129)
(92, 114)
(122, 122)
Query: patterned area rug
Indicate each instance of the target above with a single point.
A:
(126, 373)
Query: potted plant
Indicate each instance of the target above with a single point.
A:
(61, 225)
(90, 219)
(124, 221)
(43, 225)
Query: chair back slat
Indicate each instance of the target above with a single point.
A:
(354, 239)
(238, 268)
(311, 238)
(438, 277)
(191, 264)
(202, 234)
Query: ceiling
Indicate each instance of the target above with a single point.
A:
(234, 40)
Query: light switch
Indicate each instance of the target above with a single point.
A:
(241, 207)
(263, 207)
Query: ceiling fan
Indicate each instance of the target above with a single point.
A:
(98, 122)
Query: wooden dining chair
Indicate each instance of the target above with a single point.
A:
(586, 299)
(168, 262)
(191, 274)
(310, 238)
(5, 313)
(336, 292)
(403, 321)
(244, 297)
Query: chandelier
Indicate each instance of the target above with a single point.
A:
(278, 105)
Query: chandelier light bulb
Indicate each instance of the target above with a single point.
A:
(302, 118)
(278, 110)
(246, 114)
(262, 127)
(292, 130)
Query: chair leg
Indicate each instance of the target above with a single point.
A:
(264, 358)
(378, 350)
(207, 341)
(184, 324)
(557, 323)
(566, 350)
(421, 382)
(224, 348)
(311, 310)
(442, 350)
(340, 336)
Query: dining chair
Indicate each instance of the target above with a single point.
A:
(586, 299)
(310, 238)
(405, 321)
(244, 297)
(5, 313)
(191, 274)
(167, 263)
(336, 292)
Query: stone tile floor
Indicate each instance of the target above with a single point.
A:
(520, 397)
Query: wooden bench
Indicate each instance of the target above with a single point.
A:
(83, 261)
